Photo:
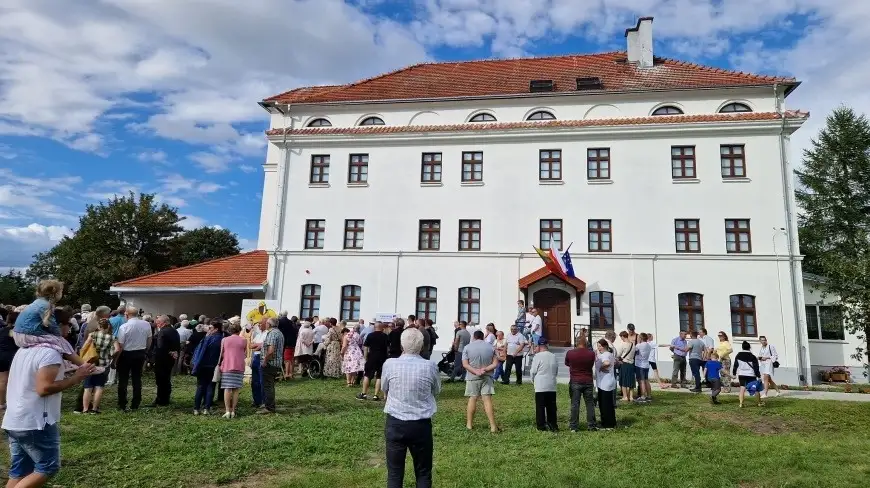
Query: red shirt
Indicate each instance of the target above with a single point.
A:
(580, 362)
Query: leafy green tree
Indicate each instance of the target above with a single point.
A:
(15, 288)
(203, 244)
(834, 194)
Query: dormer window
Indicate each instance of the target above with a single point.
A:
(483, 118)
(735, 107)
(668, 110)
(540, 86)
(372, 121)
(541, 115)
(320, 123)
(589, 83)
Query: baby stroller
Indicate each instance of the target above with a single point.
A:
(446, 363)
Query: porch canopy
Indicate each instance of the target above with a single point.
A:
(543, 273)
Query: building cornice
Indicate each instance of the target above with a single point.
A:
(525, 255)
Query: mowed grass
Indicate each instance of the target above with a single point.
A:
(324, 438)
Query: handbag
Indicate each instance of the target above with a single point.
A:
(89, 353)
(776, 364)
(216, 376)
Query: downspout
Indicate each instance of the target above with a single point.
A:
(792, 240)
(396, 291)
(655, 300)
(278, 225)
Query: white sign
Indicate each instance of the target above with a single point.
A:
(386, 318)
(254, 310)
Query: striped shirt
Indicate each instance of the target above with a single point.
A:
(411, 384)
(274, 337)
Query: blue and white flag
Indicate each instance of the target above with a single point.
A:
(566, 263)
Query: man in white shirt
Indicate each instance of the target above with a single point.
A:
(36, 381)
(537, 326)
(516, 344)
(134, 339)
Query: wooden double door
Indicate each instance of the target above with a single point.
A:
(554, 306)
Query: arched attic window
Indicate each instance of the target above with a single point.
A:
(372, 121)
(668, 110)
(735, 107)
(320, 123)
(484, 117)
(541, 115)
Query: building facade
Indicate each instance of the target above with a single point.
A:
(422, 192)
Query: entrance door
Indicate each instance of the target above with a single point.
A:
(555, 308)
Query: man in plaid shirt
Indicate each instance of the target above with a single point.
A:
(273, 349)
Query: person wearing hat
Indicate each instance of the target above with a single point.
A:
(543, 372)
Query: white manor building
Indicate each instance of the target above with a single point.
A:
(422, 191)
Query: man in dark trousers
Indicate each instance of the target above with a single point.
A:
(290, 330)
(167, 345)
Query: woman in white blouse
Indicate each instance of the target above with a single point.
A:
(605, 378)
(767, 356)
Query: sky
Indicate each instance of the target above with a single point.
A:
(103, 97)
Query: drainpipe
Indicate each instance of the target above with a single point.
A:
(396, 291)
(655, 300)
(793, 251)
(278, 225)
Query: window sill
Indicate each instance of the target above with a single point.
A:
(551, 182)
(736, 180)
(827, 341)
(683, 181)
(352, 249)
(361, 184)
(431, 183)
(472, 183)
(318, 185)
(599, 182)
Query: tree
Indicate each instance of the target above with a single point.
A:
(834, 193)
(123, 238)
(203, 244)
(15, 289)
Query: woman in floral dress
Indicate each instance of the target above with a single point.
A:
(353, 361)
(332, 344)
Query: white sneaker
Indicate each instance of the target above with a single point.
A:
(196, 412)
(228, 415)
(206, 412)
(232, 415)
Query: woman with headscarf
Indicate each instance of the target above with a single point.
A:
(332, 344)
(205, 359)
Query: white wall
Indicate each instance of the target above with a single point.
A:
(825, 354)
(211, 305)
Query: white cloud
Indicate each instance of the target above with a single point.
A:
(208, 187)
(101, 54)
(19, 244)
(211, 162)
(192, 222)
(6, 152)
(152, 156)
(27, 197)
(247, 168)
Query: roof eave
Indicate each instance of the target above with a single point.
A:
(544, 94)
(202, 290)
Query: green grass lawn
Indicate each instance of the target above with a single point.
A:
(323, 437)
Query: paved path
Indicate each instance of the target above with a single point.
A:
(796, 394)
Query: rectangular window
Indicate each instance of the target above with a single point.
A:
(743, 317)
(599, 236)
(310, 303)
(683, 162)
(350, 302)
(691, 307)
(733, 161)
(598, 163)
(551, 229)
(431, 172)
(738, 238)
(825, 322)
(315, 230)
(319, 169)
(469, 305)
(469, 235)
(354, 231)
(472, 166)
(601, 310)
(358, 168)
(688, 235)
(550, 165)
(430, 235)
(427, 303)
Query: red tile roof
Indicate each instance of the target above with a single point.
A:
(512, 77)
(539, 274)
(477, 126)
(242, 269)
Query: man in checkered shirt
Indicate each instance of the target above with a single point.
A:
(411, 384)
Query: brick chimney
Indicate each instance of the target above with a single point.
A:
(640, 43)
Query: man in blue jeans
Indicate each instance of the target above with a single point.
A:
(695, 351)
(31, 422)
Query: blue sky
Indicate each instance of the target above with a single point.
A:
(161, 96)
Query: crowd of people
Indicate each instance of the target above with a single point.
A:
(46, 349)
